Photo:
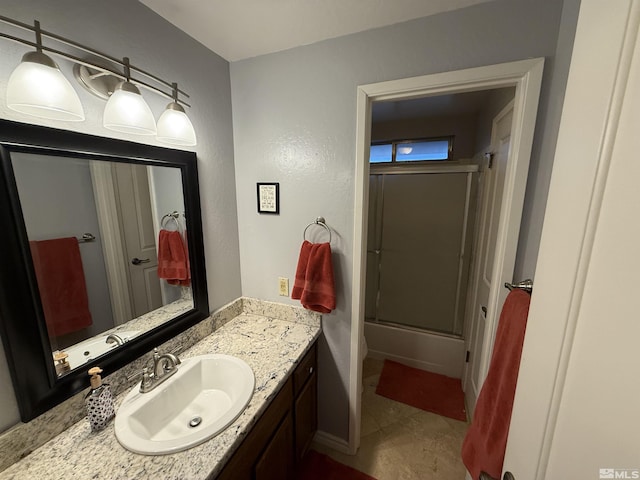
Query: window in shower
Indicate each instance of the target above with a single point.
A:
(424, 150)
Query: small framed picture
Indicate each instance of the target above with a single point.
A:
(269, 198)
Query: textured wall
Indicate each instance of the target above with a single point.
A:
(294, 115)
(125, 28)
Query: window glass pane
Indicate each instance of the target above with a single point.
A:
(420, 151)
(380, 153)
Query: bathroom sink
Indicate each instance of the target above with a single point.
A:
(200, 400)
(92, 348)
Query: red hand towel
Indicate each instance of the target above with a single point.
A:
(172, 258)
(319, 292)
(486, 440)
(62, 286)
(301, 270)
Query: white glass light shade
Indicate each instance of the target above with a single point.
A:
(126, 111)
(174, 126)
(38, 87)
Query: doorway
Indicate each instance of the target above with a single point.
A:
(526, 77)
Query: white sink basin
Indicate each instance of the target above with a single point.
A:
(90, 349)
(210, 391)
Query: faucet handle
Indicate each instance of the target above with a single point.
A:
(146, 379)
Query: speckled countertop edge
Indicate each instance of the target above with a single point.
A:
(270, 346)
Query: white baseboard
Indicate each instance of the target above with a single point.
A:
(327, 440)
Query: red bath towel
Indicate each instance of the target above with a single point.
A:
(301, 270)
(486, 440)
(62, 286)
(314, 285)
(173, 263)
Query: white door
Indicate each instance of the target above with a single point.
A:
(481, 320)
(139, 236)
(576, 407)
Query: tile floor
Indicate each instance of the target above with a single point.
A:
(400, 442)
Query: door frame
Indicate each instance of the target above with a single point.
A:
(526, 76)
(112, 246)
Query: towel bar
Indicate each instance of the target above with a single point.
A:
(526, 285)
(86, 237)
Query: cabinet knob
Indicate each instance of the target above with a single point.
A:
(310, 370)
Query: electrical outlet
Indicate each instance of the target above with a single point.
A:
(283, 284)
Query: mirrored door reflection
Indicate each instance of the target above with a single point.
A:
(94, 230)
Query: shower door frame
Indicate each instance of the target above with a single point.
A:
(469, 170)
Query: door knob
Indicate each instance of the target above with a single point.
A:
(484, 311)
(508, 476)
(137, 261)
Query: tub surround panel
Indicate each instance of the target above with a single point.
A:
(271, 347)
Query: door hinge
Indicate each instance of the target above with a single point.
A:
(489, 157)
(466, 359)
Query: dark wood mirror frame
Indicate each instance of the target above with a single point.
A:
(22, 325)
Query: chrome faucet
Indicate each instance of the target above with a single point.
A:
(164, 365)
(113, 338)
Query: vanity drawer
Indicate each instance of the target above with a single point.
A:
(304, 370)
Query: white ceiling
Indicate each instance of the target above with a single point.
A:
(238, 29)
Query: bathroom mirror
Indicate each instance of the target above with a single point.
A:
(79, 277)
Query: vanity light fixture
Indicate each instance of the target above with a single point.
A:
(174, 127)
(38, 87)
(126, 111)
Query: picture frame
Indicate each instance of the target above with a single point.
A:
(268, 197)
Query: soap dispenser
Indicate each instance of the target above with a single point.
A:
(61, 363)
(99, 402)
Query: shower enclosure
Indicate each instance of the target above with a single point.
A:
(418, 257)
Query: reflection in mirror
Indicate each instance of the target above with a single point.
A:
(108, 245)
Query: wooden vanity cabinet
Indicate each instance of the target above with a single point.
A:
(305, 410)
(277, 442)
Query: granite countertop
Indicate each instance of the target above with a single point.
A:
(271, 347)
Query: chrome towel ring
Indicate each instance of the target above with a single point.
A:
(321, 222)
(168, 217)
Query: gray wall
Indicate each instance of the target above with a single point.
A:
(294, 117)
(127, 28)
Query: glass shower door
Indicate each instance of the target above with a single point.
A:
(418, 241)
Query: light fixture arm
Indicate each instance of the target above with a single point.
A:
(174, 88)
(38, 45)
(38, 32)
